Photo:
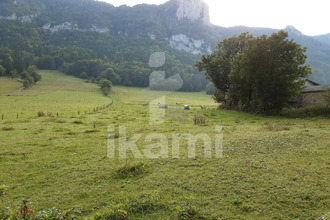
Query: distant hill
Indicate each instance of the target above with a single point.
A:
(97, 30)
(323, 38)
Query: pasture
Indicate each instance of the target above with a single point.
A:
(56, 92)
(272, 167)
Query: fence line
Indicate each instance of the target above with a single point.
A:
(96, 109)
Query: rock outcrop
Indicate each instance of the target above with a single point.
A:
(193, 10)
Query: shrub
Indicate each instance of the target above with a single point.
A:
(2, 71)
(36, 77)
(199, 120)
(105, 91)
(310, 111)
(41, 114)
(106, 86)
(83, 75)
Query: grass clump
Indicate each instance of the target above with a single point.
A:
(186, 212)
(133, 208)
(77, 122)
(40, 114)
(112, 212)
(27, 213)
(275, 126)
(3, 188)
(131, 170)
(8, 128)
(199, 120)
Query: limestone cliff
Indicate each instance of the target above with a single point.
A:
(193, 10)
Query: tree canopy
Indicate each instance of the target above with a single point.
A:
(256, 74)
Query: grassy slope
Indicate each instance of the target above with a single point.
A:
(272, 167)
(56, 92)
(8, 85)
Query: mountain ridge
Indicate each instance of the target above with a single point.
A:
(182, 25)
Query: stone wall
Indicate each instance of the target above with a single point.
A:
(312, 98)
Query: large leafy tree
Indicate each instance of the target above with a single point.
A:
(217, 65)
(264, 74)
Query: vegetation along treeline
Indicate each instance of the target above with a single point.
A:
(92, 55)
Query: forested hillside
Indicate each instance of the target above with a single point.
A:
(119, 58)
(96, 40)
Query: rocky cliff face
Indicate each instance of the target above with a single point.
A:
(193, 10)
(189, 22)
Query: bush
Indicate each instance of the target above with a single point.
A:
(199, 120)
(2, 71)
(41, 114)
(83, 75)
(105, 86)
(310, 111)
(105, 91)
(36, 77)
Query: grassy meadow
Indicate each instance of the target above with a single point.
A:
(272, 167)
(55, 93)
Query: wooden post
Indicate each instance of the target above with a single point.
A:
(57, 114)
(78, 112)
(2, 117)
(17, 115)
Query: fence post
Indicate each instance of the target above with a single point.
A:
(17, 115)
(2, 117)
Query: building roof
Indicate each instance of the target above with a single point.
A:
(311, 86)
(309, 82)
(319, 88)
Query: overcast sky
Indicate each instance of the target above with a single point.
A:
(309, 17)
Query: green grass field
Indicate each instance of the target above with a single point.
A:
(272, 167)
(55, 93)
(8, 86)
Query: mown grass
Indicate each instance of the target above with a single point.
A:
(56, 93)
(133, 95)
(272, 167)
(8, 85)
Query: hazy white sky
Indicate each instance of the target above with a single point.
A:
(309, 17)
